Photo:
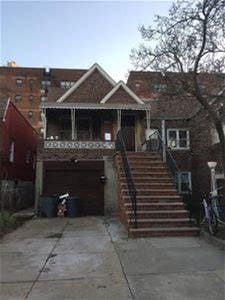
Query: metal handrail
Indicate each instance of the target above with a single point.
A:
(157, 144)
(120, 146)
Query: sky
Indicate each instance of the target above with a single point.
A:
(73, 34)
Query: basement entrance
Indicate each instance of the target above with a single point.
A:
(81, 179)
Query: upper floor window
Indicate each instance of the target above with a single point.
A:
(184, 182)
(159, 88)
(66, 84)
(178, 139)
(215, 136)
(30, 114)
(19, 82)
(18, 98)
(43, 98)
(45, 83)
(31, 97)
(12, 151)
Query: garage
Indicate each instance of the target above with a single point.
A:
(81, 179)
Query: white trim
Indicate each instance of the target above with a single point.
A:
(126, 88)
(177, 138)
(83, 78)
(6, 109)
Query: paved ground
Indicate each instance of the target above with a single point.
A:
(88, 258)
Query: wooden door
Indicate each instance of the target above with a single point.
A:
(128, 130)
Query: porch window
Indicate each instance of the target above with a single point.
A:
(178, 139)
(184, 182)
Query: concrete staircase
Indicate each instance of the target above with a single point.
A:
(160, 209)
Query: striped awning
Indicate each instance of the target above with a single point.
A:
(96, 106)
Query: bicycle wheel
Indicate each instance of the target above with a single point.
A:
(212, 223)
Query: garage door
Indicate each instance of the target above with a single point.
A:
(80, 179)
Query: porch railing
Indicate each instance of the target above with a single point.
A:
(52, 144)
(120, 146)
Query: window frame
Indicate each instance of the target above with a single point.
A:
(177, 130)
(19, 80)
(16, 98)
(179, 174)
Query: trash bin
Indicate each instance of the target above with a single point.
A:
(49, 206)
(72, 204)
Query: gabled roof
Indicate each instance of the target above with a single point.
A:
(126, 88)
(83, 78)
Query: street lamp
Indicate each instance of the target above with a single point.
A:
(212, 165)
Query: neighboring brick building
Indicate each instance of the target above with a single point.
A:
(27, 87)
(178, 109)
(18, 145)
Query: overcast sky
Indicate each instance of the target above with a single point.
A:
(75, 34)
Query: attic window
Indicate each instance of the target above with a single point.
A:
(66, 84)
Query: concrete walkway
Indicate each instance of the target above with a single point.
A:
(89, 258)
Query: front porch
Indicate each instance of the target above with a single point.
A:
(95, 126)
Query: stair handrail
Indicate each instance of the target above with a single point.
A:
(173, 167)
(120, 146)
(161, 147)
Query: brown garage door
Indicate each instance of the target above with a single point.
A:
(80, 179)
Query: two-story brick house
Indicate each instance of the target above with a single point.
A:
(78, 153)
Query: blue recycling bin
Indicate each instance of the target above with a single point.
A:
(72, 205)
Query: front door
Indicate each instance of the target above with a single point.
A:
(128, 130)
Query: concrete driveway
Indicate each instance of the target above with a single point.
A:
(90, 258)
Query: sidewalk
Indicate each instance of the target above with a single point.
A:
(88, 258)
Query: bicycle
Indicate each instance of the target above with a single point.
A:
(214, 212)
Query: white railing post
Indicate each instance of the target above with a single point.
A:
(163, 129)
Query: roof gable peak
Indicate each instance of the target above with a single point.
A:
(126, 88)
(93, 68)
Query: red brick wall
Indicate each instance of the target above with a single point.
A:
(93, 89)
(121, 96)
(17, 129)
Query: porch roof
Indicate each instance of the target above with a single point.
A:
(67, 105)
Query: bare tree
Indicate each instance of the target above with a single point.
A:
(191, 39)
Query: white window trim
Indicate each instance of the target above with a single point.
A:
(179, 181)
(177, 138)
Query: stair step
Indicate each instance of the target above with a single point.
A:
(151, 185)
(163, 232)
(147, 179)
(159, 213)
(151, 192)
(156, 206)
(161, 222)
(152, 199)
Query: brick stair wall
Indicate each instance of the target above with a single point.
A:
(160, 209)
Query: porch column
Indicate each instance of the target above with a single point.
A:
(44, 119)
(148, 119)
(163, 130)
(118, 119)
(73, 124)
